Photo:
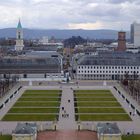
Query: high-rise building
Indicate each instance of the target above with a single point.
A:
(135, 34)
(19, 38)
(121, 41)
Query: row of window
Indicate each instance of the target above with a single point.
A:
(102, 76)
(120, 72)
(108, 67)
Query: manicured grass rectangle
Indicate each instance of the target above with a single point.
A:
(93, 91)
(94, 95)
(131, 137)
(22, 117)
(6, 137)
(39, 99)
(96, 99)
(104, 117)
(98, 104)
(37, 104)
(34, 110)
(43, 91)
(41, 95)
(101, 110)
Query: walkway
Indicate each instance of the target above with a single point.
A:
(67, 122)
(67, 135)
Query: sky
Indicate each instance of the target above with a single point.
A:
(70, 14)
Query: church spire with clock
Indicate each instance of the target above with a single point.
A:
(19, 38)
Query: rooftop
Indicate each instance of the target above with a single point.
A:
(110, 58)
(19, 25)
(25, 128)
(108, 128)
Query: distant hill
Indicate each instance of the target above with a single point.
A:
(62, 34)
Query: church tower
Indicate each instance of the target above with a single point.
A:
(19, 38)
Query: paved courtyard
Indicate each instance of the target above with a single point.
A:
(67, 135)
(66, 120)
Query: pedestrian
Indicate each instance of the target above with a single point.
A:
(62, 108)
(68, 101)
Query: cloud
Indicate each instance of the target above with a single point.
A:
(96, 25)
(86, 14)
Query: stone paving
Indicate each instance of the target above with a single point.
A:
(67, 113)
(67, 135)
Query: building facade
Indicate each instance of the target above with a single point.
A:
(108, 66)
(19, 38)
(121, 41)
(33, 65)
(135, 34)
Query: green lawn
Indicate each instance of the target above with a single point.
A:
(39, 99)
(33, 102)
(41, 117)
(96, 99)
(94, 95)
(104, 117)
(37, 104)
(42, 91)
(34, 110)
(93, 91)
(98, 104)
(131, 137)
(5, 137)
(100, 110)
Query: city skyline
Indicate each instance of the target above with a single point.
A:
(70, 14)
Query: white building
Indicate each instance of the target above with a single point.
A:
(135, 34)
(44, 40)
(108, 66)
(19, 38)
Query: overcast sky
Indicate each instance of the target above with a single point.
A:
(70, 14)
